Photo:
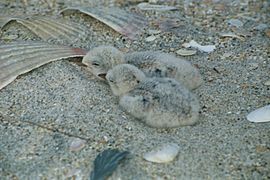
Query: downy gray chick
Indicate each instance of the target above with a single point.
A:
(101, 59)
(158, 102)
(152, 63)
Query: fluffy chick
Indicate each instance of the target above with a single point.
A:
(102, 58)
(159, 64)
(152, 63)
(158, 102)
(123, 78)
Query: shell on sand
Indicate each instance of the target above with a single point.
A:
(154, 7)
(186, 52)
(194, 44)
(21, 57)
(50, 28)
(77, 144)
(4, 20)
(260, 115)
(163, 154)
(125, 23)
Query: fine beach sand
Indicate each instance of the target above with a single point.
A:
(43, 111)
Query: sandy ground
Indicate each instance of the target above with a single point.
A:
(43, 111)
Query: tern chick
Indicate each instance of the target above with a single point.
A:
(152, 63)
(158, 102)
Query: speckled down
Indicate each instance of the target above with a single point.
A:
(161, 103)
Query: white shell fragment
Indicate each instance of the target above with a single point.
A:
(194, 44)
(260, 115)
(163, 154)
(77, 144)
(185, 52)
(154, 7)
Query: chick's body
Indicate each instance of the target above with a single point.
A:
(158, 102)
(158, 64)
(152, 63)
(161, 102)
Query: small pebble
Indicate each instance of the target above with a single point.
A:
(163, 154)
(235, 22)
(267, 83)
(227, 54)
(261, 27)
(77, 144)
(262, 148)
(73, 173)
(153, 1)
(150, 38)
(267, 33)
(153, 32)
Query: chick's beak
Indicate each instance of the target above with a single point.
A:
(102, 76)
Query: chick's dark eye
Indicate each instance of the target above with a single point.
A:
(95, 64)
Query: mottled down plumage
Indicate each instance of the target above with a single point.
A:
(158, 102)
(152, 63)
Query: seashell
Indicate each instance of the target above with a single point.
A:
(260, 115)
(154, 7)
(163, 154)
(232, 35)
(50, 28)
(185, 52)
(77, 144)
(21, 57)
(126, 23)
(194, 44)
